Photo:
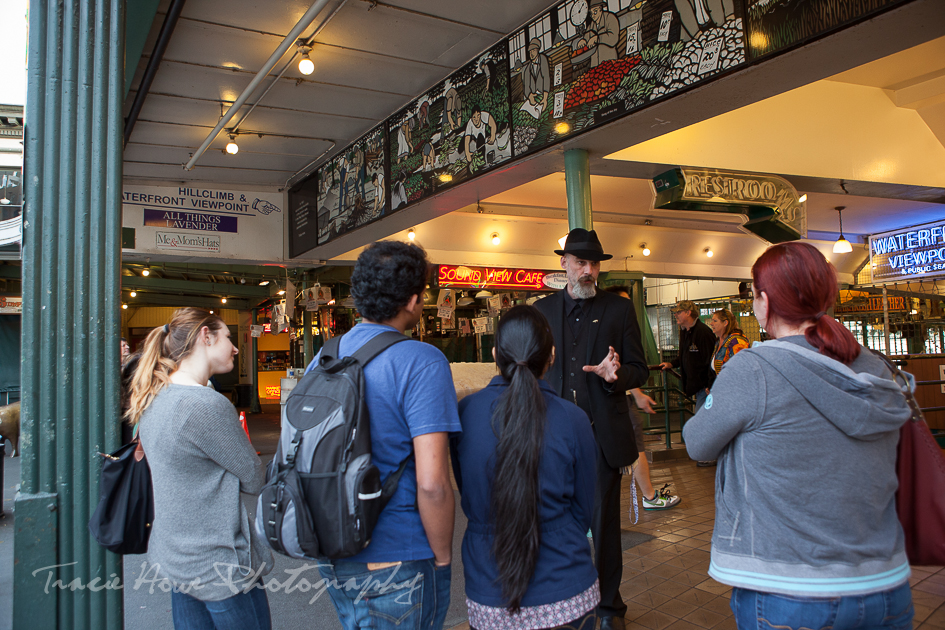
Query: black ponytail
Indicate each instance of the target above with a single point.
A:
(523, 347)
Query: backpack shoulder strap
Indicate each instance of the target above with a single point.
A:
(376, 346)
(331, 348)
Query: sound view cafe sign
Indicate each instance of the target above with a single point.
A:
(909, 253)
(465, 277)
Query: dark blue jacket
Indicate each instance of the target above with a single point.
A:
(566, 478)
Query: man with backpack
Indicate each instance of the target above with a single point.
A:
(405, 569)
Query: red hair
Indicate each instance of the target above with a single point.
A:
(802, 286)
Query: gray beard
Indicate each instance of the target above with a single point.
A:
(583, 291)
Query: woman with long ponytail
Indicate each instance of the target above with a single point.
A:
(525, 466)
(201, 460)
(805, 428)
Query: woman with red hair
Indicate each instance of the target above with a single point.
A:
(805, 429)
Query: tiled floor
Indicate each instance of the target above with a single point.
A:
(665, 580)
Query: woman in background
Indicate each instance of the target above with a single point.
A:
(201, 460)
(805, 428)
(731, 339)
(525, 466)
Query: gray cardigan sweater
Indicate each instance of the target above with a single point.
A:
(201, 460)
(806, 481)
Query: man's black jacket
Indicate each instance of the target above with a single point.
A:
(696, 347)
(612, 322)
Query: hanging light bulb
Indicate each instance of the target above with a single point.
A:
(145, 272)
(708, 252)
(495, 238)
(124, 306)
(134, 294)
(646, 250)
(231, 147)
(842, 246)
(306, 65)
(411, 234)
(223, 300)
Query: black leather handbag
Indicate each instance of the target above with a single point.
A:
(122, 520)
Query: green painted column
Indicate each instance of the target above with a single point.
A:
(309, 354)
(71, 291)
(577, 179)
(254, 395)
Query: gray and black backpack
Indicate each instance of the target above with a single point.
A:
(323, 495)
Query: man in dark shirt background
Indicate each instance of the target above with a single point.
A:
(598, 357)
(696, 346)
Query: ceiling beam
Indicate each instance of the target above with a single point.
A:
(160, 299)
(189, 287)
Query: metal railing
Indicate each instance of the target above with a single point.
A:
(669, 400)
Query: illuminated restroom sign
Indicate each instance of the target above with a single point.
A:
(912, 252)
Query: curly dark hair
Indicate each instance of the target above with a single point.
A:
(386, 275)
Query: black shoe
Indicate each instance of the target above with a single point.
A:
(706, 464)
(612, 623)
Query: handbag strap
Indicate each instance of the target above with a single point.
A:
(903, 382)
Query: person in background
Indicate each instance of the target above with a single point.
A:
(412, 405)
(125, 349)
(731, 339)
(525, 466)
(600, 357)
(696, 343)
(653, 499)
(805, 428)
(201, 461)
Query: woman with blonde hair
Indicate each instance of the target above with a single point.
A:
(201, 460)
(731, 339)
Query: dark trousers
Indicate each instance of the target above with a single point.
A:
(605, 527)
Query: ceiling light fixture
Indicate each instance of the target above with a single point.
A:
(263, 283)
(495, 238)
(411, 234)
(842, 246)
(646, 250)
(306, 65)
(281, 292)
(124, 306)
(223, 300)
(134, 294)
(211, 311)
(146, 272)
(231, 147)
(802, 198)
(708, 252)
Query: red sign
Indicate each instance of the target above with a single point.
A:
(490, 277)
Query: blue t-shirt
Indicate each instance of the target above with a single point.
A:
(410, 392)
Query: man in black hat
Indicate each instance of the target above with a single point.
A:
(599, 357)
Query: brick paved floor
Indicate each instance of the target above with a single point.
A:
(665, 580)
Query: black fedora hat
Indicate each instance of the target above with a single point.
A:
(584, 245)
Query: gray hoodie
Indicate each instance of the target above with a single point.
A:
(806, 479)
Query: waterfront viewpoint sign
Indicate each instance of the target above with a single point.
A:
(910, 253)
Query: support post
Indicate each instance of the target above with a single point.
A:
(577, 179)
(254, 406)
(886, 319)
(308, 354)
(71, 320)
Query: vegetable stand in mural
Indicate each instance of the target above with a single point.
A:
(585, 62)
(777, 24)
(458, 129)
(351, 190)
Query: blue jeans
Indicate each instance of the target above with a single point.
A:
(890, 610)
(245, 611)
(407, 596)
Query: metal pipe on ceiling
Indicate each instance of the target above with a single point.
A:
(289, 40)
(157, 55)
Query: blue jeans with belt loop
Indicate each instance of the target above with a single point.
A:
(411, 595)
(888, 610)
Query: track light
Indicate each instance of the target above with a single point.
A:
(495, 238)
(146, 272)
(263, 283)
(708, 252)
(842, 246)
(231, 147)
(411, 234)
(306, 65)
(646, 250)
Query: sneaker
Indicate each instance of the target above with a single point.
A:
(705, 464)
(662, 501)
